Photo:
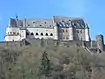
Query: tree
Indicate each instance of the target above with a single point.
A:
(45, 65)
(42, 42)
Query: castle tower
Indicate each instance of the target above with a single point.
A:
(87, 36)
(100, 43)
(55, 32)
(55, 29)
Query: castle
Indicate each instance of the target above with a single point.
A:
(56, 28)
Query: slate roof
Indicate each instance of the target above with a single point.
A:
(39, 23)
(69, 22)
(49, 23)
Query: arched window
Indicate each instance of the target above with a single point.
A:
(46, 34)
(36, 33)
(41, 34)
(51, 34)
(32, 33)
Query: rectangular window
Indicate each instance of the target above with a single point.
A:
(63, 37)
(67, 37)
(62, 30)
(77, 31)
(80, 31)
(14, 33)
(17, 33)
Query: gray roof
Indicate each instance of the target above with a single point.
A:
(49, 23)
(69, 22)
(12, 22)
(39, 23)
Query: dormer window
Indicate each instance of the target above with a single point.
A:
(77, 31)
(80, 31)
(50, 25)
(75, 24)
(69, 20)
(33, 22)
(62, 30)
(28, 25)
(62, 20)
(67, 24)
(45, 22)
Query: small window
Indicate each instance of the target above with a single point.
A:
(10, 33)
(80, 31)
(17, 33)
(27, 33)
(28, 25)
(33, 22)
(40, 25)
(36, 33)
(63, 37)
(45, 22)
(46, 34)
(62, 20)
(67, 37)
(69, 20)
(60, 25)
(32, 33)
(77, 31)
(62, 30)
(51, 34)
(67, 24)
(41, 34)
(50, 25)
(14, 33)
(66, 30)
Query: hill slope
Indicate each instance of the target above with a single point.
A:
(68, 62)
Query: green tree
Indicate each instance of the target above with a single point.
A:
(45, 65)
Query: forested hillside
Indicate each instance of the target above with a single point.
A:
(50, 62)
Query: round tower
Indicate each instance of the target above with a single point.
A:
(100, 43)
